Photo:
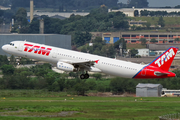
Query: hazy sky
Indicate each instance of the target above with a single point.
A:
(160, 3)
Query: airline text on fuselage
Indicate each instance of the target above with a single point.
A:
(37, 49)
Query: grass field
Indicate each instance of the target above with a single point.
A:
(80, 108)
(131, 46)
(154, 20)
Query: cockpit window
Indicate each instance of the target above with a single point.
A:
(12, 44)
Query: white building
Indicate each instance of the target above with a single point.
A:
(143, 52)
(63, 14)
(130, 11)
(4, 8)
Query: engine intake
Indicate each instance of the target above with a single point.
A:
(65, 67)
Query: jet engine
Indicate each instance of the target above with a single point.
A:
(65, 67)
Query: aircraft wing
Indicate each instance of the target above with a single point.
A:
(83, 64)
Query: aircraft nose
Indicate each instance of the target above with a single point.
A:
(4, 47)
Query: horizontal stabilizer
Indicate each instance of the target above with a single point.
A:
(160, 73)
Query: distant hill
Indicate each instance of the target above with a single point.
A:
(62, 5)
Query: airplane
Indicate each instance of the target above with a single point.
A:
(73, 61)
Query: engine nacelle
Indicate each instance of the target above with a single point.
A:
(65, 67)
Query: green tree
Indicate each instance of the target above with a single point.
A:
(148, 25)
(101, 87)
(121, 43)
(81, 87)
(97, 76)
(136, 13)
(81, 38)
(61, 81)
(143, 41)
(108, 51)
(144, 13)
(116, 85)
(20, 17)
(74, 74)
(153, 40)
(161, 22)
(33, 27)
(91, 84)
(121, 85)
(133, 52)
(120, 23)
(84, 49)
(8, 69)
(21, 78)
(41, 70)
(98, 44)
(55, 86)
(3, 60)
(50, 79)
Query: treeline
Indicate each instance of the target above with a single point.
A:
(155, 13)
(42, 77)
(97, 21)
(6, 16)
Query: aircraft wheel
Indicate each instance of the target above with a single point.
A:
(82, 76)
(86, 76)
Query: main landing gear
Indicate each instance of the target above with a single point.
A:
(84, 76)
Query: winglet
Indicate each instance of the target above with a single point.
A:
(96, 61)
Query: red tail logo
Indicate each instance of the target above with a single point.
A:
(164, 61)
(160, 66)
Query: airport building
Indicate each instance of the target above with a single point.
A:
(134, 37)
(56, 40)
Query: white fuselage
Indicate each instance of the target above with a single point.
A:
(104, 64)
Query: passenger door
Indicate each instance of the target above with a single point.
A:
(55, 51)
(20, 47)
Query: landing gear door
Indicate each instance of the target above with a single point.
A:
(20, 47)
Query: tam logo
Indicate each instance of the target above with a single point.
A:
(165, 57)
(37, 49)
